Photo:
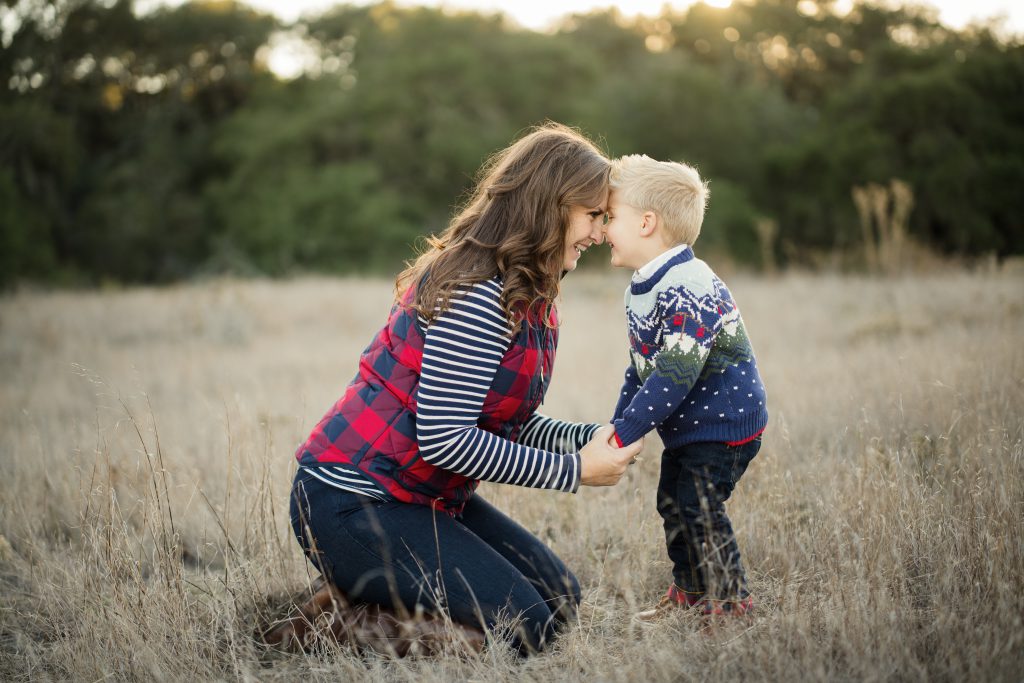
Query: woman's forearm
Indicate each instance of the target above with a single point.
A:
(556, 436)
(462, 352)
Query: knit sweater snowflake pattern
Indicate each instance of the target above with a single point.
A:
(692, 372)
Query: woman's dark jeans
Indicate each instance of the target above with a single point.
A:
(695, 482)
(482, 568)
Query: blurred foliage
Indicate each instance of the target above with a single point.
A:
(148, 148)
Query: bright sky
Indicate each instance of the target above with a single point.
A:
(538, 14)
(289, 57)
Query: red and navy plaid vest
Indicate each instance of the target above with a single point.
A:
(373, 426)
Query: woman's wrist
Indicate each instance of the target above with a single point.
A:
(588, 434)
(578, 469)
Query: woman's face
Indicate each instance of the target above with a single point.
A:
(585, 230)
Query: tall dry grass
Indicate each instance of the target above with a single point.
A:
(146, 442)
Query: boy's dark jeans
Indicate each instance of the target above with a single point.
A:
(482, 568)
(696, 480)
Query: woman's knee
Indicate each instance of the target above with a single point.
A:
(570, 600)
(536, 630)
(528, 620)
(575, 592)
(545, 621)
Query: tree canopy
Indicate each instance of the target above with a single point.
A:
(148, 148)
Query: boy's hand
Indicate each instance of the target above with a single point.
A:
(602, 463)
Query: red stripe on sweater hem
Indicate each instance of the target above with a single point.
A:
(746, 440)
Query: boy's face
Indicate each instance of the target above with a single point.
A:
(629, 248)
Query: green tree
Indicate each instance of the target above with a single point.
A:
(149, 148)
(109, 139)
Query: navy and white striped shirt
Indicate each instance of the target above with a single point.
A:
(462, 351)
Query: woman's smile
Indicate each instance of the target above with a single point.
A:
(584, 231)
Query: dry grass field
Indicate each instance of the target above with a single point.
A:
(146, 441)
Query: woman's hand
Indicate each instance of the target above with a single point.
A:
(602, 463)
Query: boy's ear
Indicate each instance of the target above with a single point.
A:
(648, 224)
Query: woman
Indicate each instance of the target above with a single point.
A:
(384, 501)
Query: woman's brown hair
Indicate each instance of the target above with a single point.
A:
(514, 224)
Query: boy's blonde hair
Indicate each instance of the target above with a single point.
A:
(672, 190)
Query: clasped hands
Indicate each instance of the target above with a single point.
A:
(602, 462)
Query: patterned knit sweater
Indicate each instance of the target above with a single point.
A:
(692, 373)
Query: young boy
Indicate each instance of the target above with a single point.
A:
(692, 376)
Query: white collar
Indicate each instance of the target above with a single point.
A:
(648, 269)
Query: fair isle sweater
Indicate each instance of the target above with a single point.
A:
(692, 373)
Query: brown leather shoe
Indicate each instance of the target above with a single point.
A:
(377, 628)
(330, 613)
(295, 632)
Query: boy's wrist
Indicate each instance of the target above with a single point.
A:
(627, 432)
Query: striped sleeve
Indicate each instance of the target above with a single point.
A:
(462, 351)
(550, 434)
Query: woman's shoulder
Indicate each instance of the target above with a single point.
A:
(477, 303)
(486, 293)
(490, 288)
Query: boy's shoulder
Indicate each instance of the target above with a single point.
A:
(694, 275)
(688, 279)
